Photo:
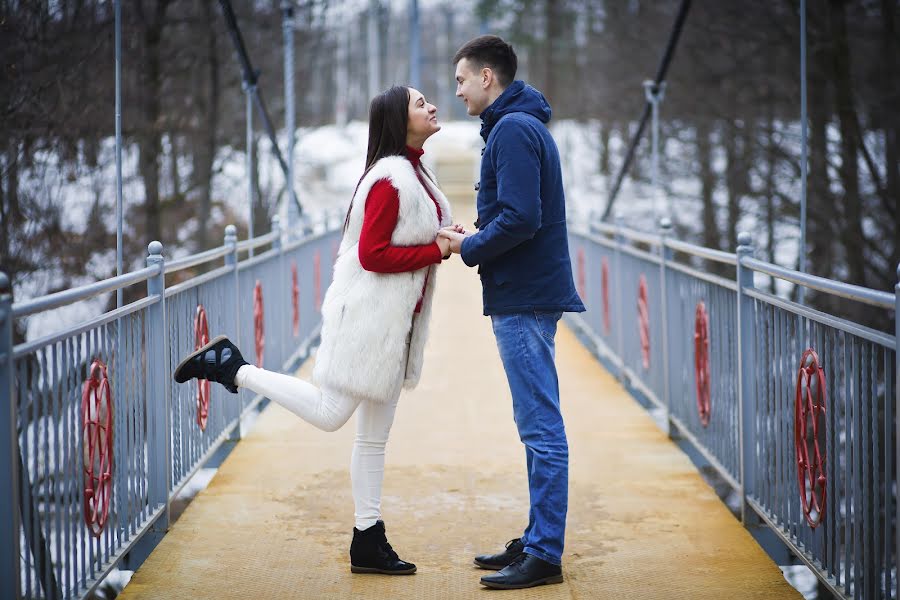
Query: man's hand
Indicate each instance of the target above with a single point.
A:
(455, 237)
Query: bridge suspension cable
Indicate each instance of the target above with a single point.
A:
(251, 76)
(648, 105)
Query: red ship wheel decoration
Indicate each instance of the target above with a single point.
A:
(259, 323)
(582, 287)
(809, 416)
(201, 338)
(97, 443)
(604, 290)
(317, 279)
(701, 362)
(644, 321)
(295, 298)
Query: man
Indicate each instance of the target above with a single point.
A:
(522, 252)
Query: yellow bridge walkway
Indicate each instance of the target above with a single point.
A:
(276, 520)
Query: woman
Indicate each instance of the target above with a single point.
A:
(374, 317)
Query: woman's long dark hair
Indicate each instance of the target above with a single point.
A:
(388, 120)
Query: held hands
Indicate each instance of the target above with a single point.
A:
(454, 235)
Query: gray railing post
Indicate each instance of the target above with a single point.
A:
(9, 452)
(620, 317)
(746, 379)
(231, 260)
(897, 397)
(281, 308)
(157, 396)
(665, 255)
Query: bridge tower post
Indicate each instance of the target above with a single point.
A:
(231, 260)
(10, 586)
(157, 393)
(746, 379)
(665, 255)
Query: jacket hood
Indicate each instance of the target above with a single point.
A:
(518, 97)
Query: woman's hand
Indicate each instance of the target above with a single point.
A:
(458, 228)
(444, 244)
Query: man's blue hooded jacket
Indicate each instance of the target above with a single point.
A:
(522, 246)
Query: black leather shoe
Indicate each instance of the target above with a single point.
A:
(218, 361)
(370, 552)
(524, 571)
(495, 562)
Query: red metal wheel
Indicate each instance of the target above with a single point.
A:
(295, 298)
(259, 323)
(97, 444)
(701, 362)
(604, 290)
(201, 338)
(644, 321)
(809, 417)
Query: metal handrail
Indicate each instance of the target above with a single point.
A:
(196, 259)
(70, 296)
(728, 258)
(257, 241)
(843, 290)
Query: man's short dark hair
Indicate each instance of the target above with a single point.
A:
(490, 51)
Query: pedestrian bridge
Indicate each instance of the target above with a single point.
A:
(98, 441)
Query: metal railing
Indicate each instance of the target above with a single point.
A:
(807, 439)
(87, 474)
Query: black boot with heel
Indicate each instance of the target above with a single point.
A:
(370, 552)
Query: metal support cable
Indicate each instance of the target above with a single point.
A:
(804, 134)
(118, 118)
(660, 77)
(250, 78)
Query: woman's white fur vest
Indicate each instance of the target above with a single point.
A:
(367, 317)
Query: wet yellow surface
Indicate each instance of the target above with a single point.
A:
(276, 520)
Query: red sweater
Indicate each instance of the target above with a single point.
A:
(376, 253)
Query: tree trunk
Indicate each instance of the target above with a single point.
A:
(890, 95)
(605, 132)
(707, 186)
(733, 141)
(771, 165)
(208, 153)
(821, 209)
(150, 144)
(851, 233)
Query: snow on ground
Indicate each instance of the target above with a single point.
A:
(329, 161)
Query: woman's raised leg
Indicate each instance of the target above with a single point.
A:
(319, 408)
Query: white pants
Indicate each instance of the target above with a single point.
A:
(329, 412)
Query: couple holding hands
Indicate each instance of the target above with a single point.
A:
(375, 314)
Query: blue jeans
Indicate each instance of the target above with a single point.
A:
(527, 349)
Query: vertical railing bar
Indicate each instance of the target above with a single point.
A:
(103, 333)
(78, 358)
(888, 472)
(830, 434)
(819, 533)
(858, 466)
(66, 403)
(870, 424)
(848, 484)
(57, 464)
(877, 479)
(26, 394)
(134, 493)
(127, 363)
(780, 445)
(43, 482)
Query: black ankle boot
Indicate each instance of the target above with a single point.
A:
(219, 361)
(370, 552)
